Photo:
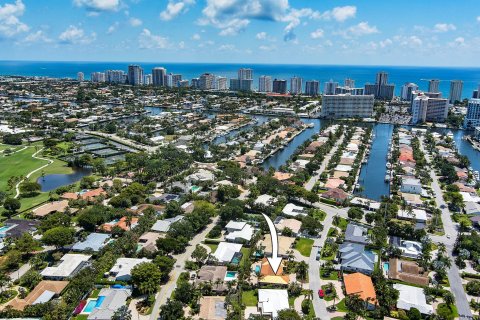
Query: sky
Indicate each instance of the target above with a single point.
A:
(354, 32)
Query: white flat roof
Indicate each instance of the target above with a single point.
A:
(272, 300)
(226, 250)
(69, 263)
(237, 225)
(124, 266)
(417, 214)
(412, 297)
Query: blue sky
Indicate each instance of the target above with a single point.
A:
(373, 32)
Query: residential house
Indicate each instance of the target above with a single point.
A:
(164, 225)
(285, 245)
(407, 271)
(114, 298)
(336, 194)
(94, 241)
(148, 241)
(410, 249)
(361, 285)
(125, 223)
(268, 277)
(69, 265)
(270, 301)
(50, 207)
(15, 228)
(354, 257)
(212, 308)
(411, 185)
(356, 233)
(412, 297)
(265, 200)
(293, 210)
(239, 232)
(123, 266)
(214, 275)
(228, 252)
(43, 292)
(293, 224)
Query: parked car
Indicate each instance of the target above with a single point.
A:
(321, 294)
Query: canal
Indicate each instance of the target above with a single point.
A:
(372, 174)
(464, 147)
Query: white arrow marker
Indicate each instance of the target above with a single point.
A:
(275, 260)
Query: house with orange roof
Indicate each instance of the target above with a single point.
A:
(268, 277)
(282, 176)
(123, 223)
(92, 194)
(362, 286)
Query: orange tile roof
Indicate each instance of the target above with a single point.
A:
(69, 196)
(268, 276)
(122, 223)
(361, 285)
(93, 193)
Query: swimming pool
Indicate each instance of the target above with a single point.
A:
(230, 275)
(93, 303)
(257, 269)
(386, 266)
(195, 188)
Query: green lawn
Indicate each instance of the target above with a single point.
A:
(342, 223)
(212, 246)
(304, 246)
(245, 256)
(333, 275)
(319, 215)
(341, 306)
(250, 298)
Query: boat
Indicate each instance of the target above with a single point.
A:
(388, 172)
(389, 165)
(387, 178)
(310, 125)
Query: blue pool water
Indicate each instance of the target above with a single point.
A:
(230, 275)
(4, 228)
(92, 304)
(386, 266)
(257, 269)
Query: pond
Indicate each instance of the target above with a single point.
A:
(53, 181)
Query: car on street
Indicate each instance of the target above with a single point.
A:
(321, 294)
(448, 236)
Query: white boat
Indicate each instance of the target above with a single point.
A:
(389, 165)
(387, 178)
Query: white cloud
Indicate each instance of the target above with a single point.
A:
(458, 42)
(261, 35)
(147, 40)
(113, 28)
(267, 48)
(38, 36)
(358, 30)
(340, 14)
(75, 35)
(174, 8)
(227, 47)
(317, 34)
(196, 37)
(233, 27)
(478, 19)
(134, 22)
(98, 5)
(10, 23)
(444, 27)
(385, 43)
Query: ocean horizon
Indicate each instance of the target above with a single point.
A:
(360, 73)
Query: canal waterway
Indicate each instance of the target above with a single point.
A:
(53, 181)
(463, 146)
(372, 174)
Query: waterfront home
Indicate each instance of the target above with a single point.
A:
(43, 292)
(410, 249)
(354, 257)
(361, 285)
(212, 308)
(336, 194)
(201, 175)
(113, 299)
(15, 228)
(368, 204)
(228, 252)
(411, 185)
(94, 241)
(239, 232)
(282, 176)
(121, 270)
(68, 266)
(270, 301)
(334, 183)
(407, 271)
(299, 164)
(412, 199)
(356, 233)
(214, 275)
(165, 224)
(293, 210)
(412, 297)
(343, 168)
(293, 224)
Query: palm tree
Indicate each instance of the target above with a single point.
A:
(302, 270)
(122, 313)
(334, 296)
(442, 249)
(449, 298)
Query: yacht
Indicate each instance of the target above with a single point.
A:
(387, 178)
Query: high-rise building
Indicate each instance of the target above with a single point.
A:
(279, 86)
(407, 90)
(349, 83)
(158, 76)
(245, 74)
(433, 85)
(183, 84)
(206, 82)
(456, 87)
(296, 86)
(312, 88)
(428, 109)
(196, 83)
(472, 118)
(147, 79)
(172, 80)
(221, 83)
(265, 84)
(115, 76)
(382, 90)
(330, 87)
(350, 90)
(97, 77)
(347, 106)
(135, 75)
(80, 76)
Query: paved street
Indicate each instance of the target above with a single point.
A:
(168, 288)
(450, 228)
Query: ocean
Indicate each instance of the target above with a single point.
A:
(361, 74)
